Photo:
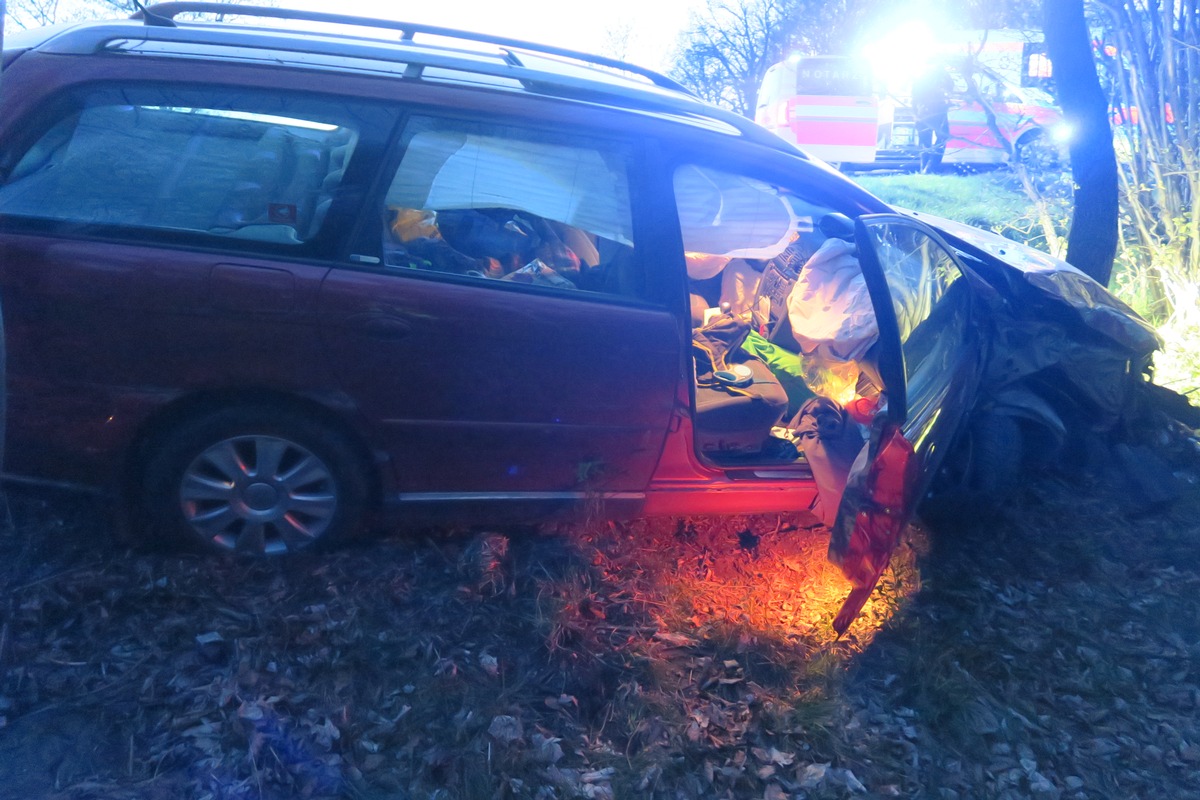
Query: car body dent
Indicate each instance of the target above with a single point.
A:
(1059, 282)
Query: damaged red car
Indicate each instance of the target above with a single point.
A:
(268, 286)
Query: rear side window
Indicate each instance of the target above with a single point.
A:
(255, 169)
(510, 206)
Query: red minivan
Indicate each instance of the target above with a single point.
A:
(268, 286)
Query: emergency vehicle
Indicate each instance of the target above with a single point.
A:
(825, 105)
(1026, 119)
(833, 109)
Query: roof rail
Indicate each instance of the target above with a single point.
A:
(164, 13)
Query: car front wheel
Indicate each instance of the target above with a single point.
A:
(255, 481)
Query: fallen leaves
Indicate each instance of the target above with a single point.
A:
(665, 659)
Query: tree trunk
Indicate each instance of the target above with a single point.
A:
(1092, 243)
(3, 351)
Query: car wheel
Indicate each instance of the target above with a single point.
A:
(1037, 154)
(256, 481)
(979, 472)
(997, 452)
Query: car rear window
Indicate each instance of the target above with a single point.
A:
(265, 174)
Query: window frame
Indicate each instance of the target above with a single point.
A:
(372, 119)
(365, 249)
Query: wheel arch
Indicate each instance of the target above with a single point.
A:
(154, 431)
(1038, 140)
(1030, 137)
(1027, 136)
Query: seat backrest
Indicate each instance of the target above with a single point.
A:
(262, 179)
(339, 159)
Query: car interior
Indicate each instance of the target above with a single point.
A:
(500, 204)
(782, 334)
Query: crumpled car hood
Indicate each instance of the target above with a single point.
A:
(1095, 306)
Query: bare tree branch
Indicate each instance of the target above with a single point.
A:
(727, 48)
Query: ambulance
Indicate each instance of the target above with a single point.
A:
(833, 108)
(1027, 128)
(825, 105)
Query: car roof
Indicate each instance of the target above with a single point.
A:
(420, 52)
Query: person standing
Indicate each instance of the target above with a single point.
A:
(931, 105)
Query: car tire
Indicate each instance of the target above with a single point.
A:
(253, 480)
(979, 473)
(1037, 154)
(997, 451)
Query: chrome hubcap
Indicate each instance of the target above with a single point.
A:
(258, 494)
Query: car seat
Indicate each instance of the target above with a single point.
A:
(340, 151)
(738, 398)
(737, 420)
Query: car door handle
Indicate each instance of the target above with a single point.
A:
(381, 326)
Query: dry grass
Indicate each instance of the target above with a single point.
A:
(665, 658)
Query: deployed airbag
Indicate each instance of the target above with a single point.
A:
(829, 308)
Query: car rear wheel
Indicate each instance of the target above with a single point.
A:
(256, 481)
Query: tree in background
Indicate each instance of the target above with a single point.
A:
(1150, 55)
(24, 14)
(1092, 243)
(726, 49)
(618, 40)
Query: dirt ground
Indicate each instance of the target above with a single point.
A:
(1051, 651)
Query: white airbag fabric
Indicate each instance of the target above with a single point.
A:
(829, 308)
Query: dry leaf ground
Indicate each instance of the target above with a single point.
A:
(1051, 652)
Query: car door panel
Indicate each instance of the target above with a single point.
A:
(930, 355)
(102, 333)
(491, 389)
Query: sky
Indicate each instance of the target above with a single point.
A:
(652, 25)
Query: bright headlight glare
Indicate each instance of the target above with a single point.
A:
(1062, 132)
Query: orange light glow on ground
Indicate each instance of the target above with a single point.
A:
(765, 576)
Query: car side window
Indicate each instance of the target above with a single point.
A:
(930, 298)
(249, 168)
(510, 206)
